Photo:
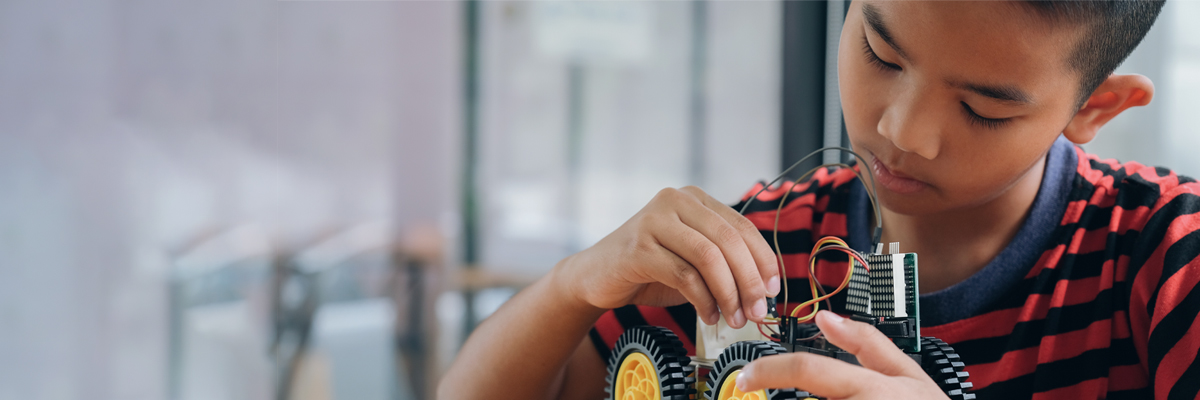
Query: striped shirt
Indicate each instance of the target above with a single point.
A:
(1093, 298)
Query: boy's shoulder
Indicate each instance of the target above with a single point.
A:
(823, 182)
(822, 202)
(1146, 218)
(1153, 206)
(1129, 185)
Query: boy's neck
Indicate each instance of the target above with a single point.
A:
(955, 244)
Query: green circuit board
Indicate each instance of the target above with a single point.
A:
(887, 292)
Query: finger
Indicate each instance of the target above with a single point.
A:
(684, 278)
(733, 247)
(826, 376)
(874, 350)
(764, 257)
(707, 258)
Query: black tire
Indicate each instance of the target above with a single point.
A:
(737, 356)
(675, 374)
(943, 364)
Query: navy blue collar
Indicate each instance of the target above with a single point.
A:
(980, 291)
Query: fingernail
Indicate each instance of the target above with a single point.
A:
(739, 319)
(773, 286)
(715, 317)
(742, 378)
(760, 309)
(831, 317)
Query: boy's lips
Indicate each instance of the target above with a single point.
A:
(896, 182)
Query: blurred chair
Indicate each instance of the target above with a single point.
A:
(219, 289)
(353, 318)
(421, 264)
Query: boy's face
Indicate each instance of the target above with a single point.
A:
(961, 102)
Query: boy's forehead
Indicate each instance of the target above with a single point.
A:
(992, 43)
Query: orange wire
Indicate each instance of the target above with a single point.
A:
(827, 243)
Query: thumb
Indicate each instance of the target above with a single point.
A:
(874, 350)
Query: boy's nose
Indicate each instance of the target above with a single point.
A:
(911, 128)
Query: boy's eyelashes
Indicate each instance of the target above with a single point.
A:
(975, 118)
(874, 59)
(979, 120)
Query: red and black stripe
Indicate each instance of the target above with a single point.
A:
(1109, 309)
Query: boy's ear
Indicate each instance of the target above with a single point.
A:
(1117, 94)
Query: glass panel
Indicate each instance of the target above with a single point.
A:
(590, 108)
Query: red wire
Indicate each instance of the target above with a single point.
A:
(841, 248)
(848, 251)
(760, 330)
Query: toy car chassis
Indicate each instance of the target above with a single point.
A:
(650, 362)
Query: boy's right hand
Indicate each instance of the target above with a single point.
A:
(683, 246)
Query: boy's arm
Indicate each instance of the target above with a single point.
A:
(1164, 270)
(525, 349)
(684, 246)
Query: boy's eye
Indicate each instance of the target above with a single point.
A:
(874, 59)
(990, 123)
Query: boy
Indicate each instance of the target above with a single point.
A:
(1053, 273)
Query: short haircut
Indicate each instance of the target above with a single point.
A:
(1113, 29)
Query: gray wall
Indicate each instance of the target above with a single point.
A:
(129, 127)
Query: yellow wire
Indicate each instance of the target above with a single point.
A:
(812, 280)
(779, 254)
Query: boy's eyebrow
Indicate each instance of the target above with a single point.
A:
(1006, 93)
(875, 21)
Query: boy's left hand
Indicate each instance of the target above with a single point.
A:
(886, 372)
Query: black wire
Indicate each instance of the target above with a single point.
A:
(874, 192)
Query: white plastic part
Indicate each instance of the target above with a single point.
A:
(711, 340)
(894, 248)
(898, 293)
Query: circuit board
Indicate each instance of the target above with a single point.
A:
(885, 295)
(893, 280)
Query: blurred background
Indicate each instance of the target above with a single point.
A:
(255, 199)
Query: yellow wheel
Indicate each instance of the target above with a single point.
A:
(729, 390)
(722, 380)
(650, 363)
(637, 379)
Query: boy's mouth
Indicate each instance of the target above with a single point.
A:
(896, 181)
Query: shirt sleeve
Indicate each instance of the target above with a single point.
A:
(1164, 298)
(680, 319)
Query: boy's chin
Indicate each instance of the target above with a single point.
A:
(929, 202)
(912, 204)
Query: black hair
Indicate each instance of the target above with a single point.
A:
(1113, 29)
